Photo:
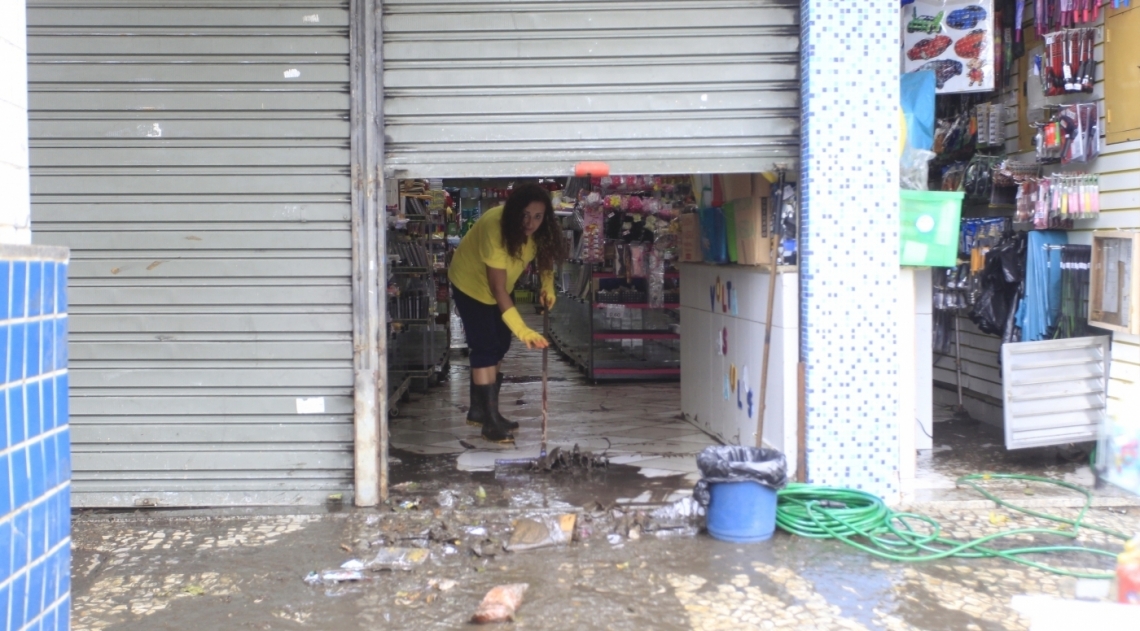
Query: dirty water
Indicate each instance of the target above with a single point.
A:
(589, 585)
(245, 569)
(519, 488)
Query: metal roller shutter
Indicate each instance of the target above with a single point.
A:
(195, 158)
(524, 87)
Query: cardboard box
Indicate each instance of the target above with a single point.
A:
(690, 238)
(753, 228)
(761, 187)
(736, 186)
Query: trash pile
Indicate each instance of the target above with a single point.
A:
(413, 540)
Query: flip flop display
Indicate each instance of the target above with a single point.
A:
(972, 45)
(966, 18)
(929, 24)
(944, 70)
(929, 48)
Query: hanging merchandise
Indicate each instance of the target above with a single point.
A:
(954, 39)
(1051, 15)
(1068, 65)
(593, 243)
(1041, 306)
(978, 179)
(1000, 285)
(991, 125)
(1062, 197)
(1073, 319)
(1008, 177)
(917, 97)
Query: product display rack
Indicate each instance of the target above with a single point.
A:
(617, 340)
(418, 344)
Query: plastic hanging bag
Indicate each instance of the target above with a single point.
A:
(736, 463)
(914, 172)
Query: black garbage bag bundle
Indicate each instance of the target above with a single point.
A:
(1002, 279)
(734, 463)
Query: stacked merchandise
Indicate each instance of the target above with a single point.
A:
(620, 319)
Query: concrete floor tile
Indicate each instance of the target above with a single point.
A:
(681, 464)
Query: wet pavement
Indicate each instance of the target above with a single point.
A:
(964, 446)
(245, 568)
(245, 571)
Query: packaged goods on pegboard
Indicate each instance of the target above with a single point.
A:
(1068, 65)
(991, 125)
(1054, 201)
(1052, 15)
(1008, 177)
(959, 287)
(1070, 133)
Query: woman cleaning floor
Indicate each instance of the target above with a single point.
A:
(484, 269)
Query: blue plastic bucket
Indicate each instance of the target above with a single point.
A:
(741, 512)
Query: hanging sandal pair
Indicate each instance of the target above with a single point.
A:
(484, 412)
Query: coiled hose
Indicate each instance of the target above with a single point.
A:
(863, 521)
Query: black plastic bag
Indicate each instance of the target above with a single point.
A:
(735, 463)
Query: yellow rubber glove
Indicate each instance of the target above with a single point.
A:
(528, 336)
(548, 296)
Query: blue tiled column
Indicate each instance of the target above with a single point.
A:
(850, 263)
(35, 448)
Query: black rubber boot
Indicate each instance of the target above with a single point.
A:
(488, 401)
(475, 414)
(498, 390)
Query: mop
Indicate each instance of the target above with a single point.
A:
(556, 459)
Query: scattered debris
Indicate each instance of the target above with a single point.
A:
(500, 604)
(614, 539)
(354, 565)
(410, 504)
(334, 576)
(558, 459)
(405, 486)
(398, 559)
(194, 590)
(442, 584)
(541, 532)
(477, 531)
(466, 445)
(345, 547)
(480, 493)
(446, 498)
(681, 518)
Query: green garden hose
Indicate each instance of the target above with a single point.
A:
(863, 521)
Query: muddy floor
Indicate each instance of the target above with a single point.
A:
(623, 569)
(246, 570)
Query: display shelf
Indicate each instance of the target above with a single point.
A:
(631, 341)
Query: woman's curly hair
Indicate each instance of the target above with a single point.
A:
(549, 242)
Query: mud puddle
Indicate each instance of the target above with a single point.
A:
(440, 484)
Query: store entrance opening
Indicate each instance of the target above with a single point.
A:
(615, 333)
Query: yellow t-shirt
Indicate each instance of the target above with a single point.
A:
(482, 247)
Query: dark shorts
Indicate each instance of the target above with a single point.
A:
(488, 337)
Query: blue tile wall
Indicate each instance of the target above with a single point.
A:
(849, 234)
(35, 444)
